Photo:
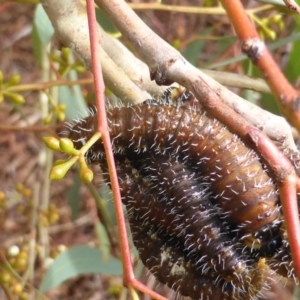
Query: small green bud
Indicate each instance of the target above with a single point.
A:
(55, 57)
(61, 115)
(24, 296)
(14, 97)
(21, 263)
(66, 145)
(2, 197)
(59, 162)
(61, 107)
(79, 69)
(48, 119)
(86, 175)
(58, 172)
(53, 218)
(276, 18)
(17, 288)
(264, 21)
(271, 34)
(66, 53)
(5, 277)
(63, 70)
(176, 44)
(52, 143)
(14, 80)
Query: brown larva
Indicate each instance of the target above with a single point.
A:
(239, 183)
(190, 214)
(281, 260)
(167, 261)
(176, 202)
(166, 254)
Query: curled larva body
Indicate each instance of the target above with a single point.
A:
(167, 256)
(191, 215)
(171, 198)
(166, 260)
(239, 183)
(281, 260)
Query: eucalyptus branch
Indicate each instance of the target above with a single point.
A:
(69, 20)
(138, 71)
(75, 35)
(134, 68)
(238, 81)
(167, 66)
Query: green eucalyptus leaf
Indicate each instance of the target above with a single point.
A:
(77, 261)
(43, 25)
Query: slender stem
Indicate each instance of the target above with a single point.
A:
(29, 273)
(290, 210)
(287, 98)
(45, 164)
(33, 128)
(128, 274)
(287, 184)
(218, 10)
(239, 81)
(103, 129)
(90, 143)
(192, 9)
(46, 85)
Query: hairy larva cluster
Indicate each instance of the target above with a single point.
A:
(184, 248)
(191, 216)
(201, 199)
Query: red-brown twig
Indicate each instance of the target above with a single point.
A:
(288, 99)
(287, 188)
(128, 274)
(103, 129)
(292, 5)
